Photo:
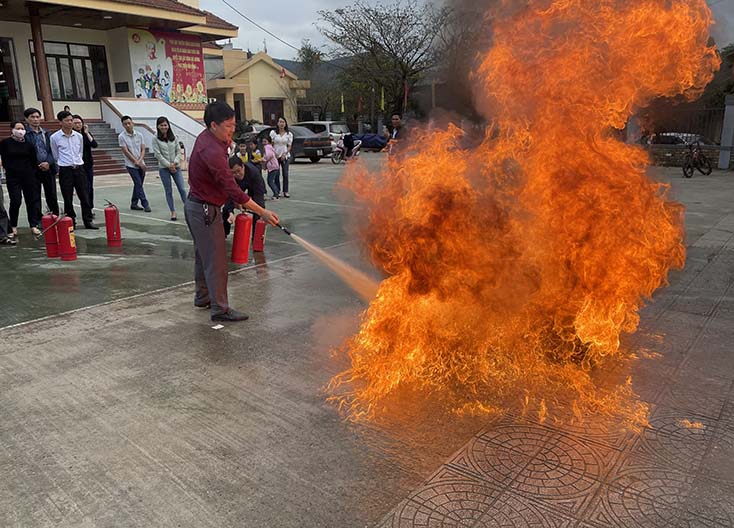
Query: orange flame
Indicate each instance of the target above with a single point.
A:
(515, 266)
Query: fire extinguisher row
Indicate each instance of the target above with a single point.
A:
(58, 233)
(242, 234)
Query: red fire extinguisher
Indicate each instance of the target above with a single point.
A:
(67, 242)
(49, 223)
(112, 224)
(241, 242)
(258, 244)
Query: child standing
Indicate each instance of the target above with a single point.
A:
(273, 167)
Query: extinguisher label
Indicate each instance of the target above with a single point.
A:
(72, 238)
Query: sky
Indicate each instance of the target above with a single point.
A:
(294, 20)
(291, 20)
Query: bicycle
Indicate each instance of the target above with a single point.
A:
(696, 159)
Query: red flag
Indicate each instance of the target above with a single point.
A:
(282, 72)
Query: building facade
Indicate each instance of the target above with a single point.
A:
(56, 53)
(253, 84)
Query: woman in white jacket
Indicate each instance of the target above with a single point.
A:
(168, 153)
(282, 140)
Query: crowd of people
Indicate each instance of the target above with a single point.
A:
(34, 158)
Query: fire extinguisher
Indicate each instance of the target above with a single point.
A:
(50, 234)
(112, 225)
(258, 243)
(241, 242)
(67, 242)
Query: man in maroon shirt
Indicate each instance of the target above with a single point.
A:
(210, 186)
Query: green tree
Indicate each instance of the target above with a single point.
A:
(388, 45)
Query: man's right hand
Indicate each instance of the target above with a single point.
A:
(44, 166)
(270, 217)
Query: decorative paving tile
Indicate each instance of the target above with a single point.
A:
(586, 457)
(712, 501)
(675, 439)
(451, 499)
(703, 396)
(495, 463)
(626, 509)
(662, 486)
(512, 511)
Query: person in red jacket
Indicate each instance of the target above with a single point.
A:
(210, 185)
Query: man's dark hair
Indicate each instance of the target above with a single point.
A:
(234, 161)
(30, 111)
(217, 112)
(63, 115)
(125, 118)
(396, 115)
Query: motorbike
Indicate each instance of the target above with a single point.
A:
(347, 148)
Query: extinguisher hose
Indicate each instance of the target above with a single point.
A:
(39, 235)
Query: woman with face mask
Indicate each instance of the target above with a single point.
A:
(19, 159)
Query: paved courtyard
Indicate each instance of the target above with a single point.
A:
(123, 407)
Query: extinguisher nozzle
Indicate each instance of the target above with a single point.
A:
(284, 230)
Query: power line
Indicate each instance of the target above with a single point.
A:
(251, 21)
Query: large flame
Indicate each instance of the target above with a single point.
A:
(515, 266)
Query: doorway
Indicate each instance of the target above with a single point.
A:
(11, 101)
(272, 110)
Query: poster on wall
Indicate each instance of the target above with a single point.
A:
(168, 66)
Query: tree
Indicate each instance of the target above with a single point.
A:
(310, 57)
(390, 45)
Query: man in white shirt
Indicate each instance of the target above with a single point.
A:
(133, 150)
(67, 147)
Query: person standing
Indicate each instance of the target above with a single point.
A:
(210, 185)
(166, 150)
(133, 150)
(270, 160)
(47, 168)
(19, 159)
(6, 238)
(282, 140)
(89, 143)
(67, 146)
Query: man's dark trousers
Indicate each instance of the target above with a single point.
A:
(75, 179)
(210, 269)
(48, 180)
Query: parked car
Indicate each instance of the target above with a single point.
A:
(675, 138)
(250, 132)
(306, 144)
(333, 128)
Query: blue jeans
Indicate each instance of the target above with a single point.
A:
(166, 177)
(138, 176)
(274, 181)
(284, 165)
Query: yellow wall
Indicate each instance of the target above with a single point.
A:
(265, 83)
(21, 34)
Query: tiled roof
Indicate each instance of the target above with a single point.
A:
(168, 5)
(216, 22)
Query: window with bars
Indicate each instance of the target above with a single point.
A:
(78, 72)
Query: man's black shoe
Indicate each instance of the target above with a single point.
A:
(136, 208)
(147, 209)
(231, 315)
(203, 305)
(90, 226)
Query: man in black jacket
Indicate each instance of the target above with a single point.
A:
(249, 178)
(47, 167)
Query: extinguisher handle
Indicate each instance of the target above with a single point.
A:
(39, 235)
(111, 204)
